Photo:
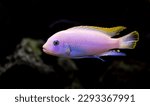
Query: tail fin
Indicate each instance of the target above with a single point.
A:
(129, 41)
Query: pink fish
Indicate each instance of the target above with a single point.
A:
(89, 42)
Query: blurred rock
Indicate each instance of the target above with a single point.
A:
(67, 64)
(27, 52)
(70, 70)
(126, 74)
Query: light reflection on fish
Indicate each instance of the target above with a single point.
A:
(89, 42)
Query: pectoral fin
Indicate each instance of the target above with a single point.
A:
(67, 49)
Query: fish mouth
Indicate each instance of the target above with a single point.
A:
(45, 50)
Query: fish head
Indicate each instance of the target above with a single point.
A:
(55, 45)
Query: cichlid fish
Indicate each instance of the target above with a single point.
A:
(89, 42)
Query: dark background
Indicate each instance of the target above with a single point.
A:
(39, 19)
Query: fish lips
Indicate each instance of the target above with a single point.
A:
(45, 50)
(49, 52)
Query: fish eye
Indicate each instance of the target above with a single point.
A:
(56, 42)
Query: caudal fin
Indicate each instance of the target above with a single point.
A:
(129, 41)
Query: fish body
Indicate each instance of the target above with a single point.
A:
(89, 41)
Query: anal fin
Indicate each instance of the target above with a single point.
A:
(113, 53)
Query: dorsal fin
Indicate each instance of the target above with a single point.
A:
(110, 31)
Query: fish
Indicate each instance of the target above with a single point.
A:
(90, 42)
